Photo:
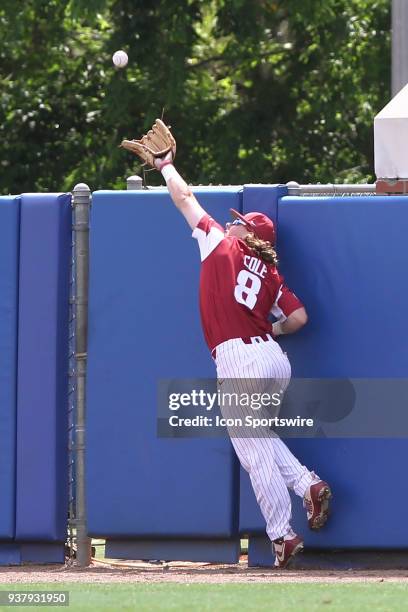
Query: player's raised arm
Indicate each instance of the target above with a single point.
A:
(157, 149)
(180, 192)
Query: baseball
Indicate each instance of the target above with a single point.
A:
(120, 58)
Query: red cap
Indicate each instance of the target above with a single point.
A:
(257, 223)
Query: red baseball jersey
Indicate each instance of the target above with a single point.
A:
(238, 290)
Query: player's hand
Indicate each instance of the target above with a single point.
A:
(159, 162)
(277, 328)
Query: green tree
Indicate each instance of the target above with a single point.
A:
(302, 81)
(256, 90)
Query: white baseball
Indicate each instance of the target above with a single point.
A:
(120, 58)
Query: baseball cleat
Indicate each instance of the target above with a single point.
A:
(316, 501)
(286, 548)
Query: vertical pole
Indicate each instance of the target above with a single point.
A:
(81, 203)
(71, 409)
(399, 46)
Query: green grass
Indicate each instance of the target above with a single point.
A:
(373, 597)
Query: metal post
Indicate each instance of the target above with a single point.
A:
(81, 203)
(330, 189)
(134, 182)
(71, 410)
(399, 45)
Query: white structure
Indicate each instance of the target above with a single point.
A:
(391, 138)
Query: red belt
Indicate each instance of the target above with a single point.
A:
(248, 340)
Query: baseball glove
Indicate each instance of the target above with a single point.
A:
(155, 144)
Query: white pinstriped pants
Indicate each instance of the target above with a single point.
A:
(261, 367)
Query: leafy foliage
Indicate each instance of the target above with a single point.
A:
(256, 90)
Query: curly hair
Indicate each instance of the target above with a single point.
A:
(262, 248)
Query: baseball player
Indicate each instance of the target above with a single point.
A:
(240, 286)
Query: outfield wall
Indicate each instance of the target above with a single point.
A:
(175, 497)
(346, 259)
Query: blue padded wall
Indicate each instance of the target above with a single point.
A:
(144, 326)
(346, 259)
(9, 250)
(45, 250)
(264, 199)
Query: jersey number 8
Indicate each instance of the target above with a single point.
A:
(245, 294)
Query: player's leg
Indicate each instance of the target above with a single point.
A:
(315, 493)
(295, 475)
(272, 495)
(256, 454)
(276, 368)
